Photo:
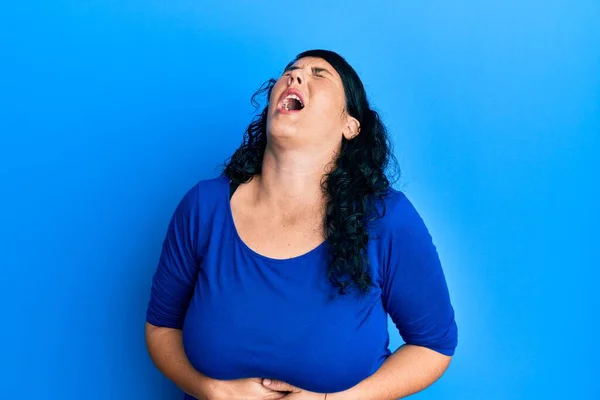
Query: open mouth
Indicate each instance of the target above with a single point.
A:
(292, 103)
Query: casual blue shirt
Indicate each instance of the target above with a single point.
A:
(246, 315)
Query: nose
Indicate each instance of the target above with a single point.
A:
(295, 76)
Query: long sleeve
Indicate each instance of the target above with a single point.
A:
(415, 292)
(176, 273)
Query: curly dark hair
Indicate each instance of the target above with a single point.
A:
(353, 187)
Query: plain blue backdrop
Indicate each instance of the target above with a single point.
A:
(111, 110)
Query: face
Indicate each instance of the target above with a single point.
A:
(307, 106)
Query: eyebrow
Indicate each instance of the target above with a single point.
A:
(314, 69)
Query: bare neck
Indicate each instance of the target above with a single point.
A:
(291, 180)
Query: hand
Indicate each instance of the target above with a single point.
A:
(293, 392)
(243, 389)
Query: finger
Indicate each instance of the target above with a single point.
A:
(279, 386)
(275, 395)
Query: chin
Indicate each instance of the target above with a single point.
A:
(281, 130)
(282, 133)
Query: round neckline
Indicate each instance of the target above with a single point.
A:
(253, 252)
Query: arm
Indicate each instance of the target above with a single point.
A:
(172, 288)
(409, 370)
(166, 351)
(415, 295)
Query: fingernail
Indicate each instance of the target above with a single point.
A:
(266, 382)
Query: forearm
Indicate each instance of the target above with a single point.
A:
(409, 370)
(165, 347)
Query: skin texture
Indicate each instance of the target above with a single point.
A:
(280, 214)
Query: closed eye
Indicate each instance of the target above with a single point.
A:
(319, 71)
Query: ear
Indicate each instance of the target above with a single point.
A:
(352, 128)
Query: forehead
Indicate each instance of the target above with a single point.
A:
(311, 62)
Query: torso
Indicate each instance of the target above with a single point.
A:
(263, 305)
(276, 234)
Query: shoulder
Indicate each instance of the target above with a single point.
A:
(401, 227)
(197, 209)
(202, 197)
(398, 212)
(212, 187)
(206, 191)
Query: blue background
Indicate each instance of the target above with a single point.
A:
(110, 111)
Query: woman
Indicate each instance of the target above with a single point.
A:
(276, 278)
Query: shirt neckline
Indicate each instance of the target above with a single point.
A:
(251, 251)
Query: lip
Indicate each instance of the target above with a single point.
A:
(286, 93)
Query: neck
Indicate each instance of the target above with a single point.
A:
(292, 178)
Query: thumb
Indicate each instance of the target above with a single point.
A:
(279, 386)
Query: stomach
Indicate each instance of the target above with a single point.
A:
(311, 342)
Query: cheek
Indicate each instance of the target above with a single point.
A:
(330, 110)
(331, 102)
(276, 89)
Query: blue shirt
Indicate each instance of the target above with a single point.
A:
(246, 315)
